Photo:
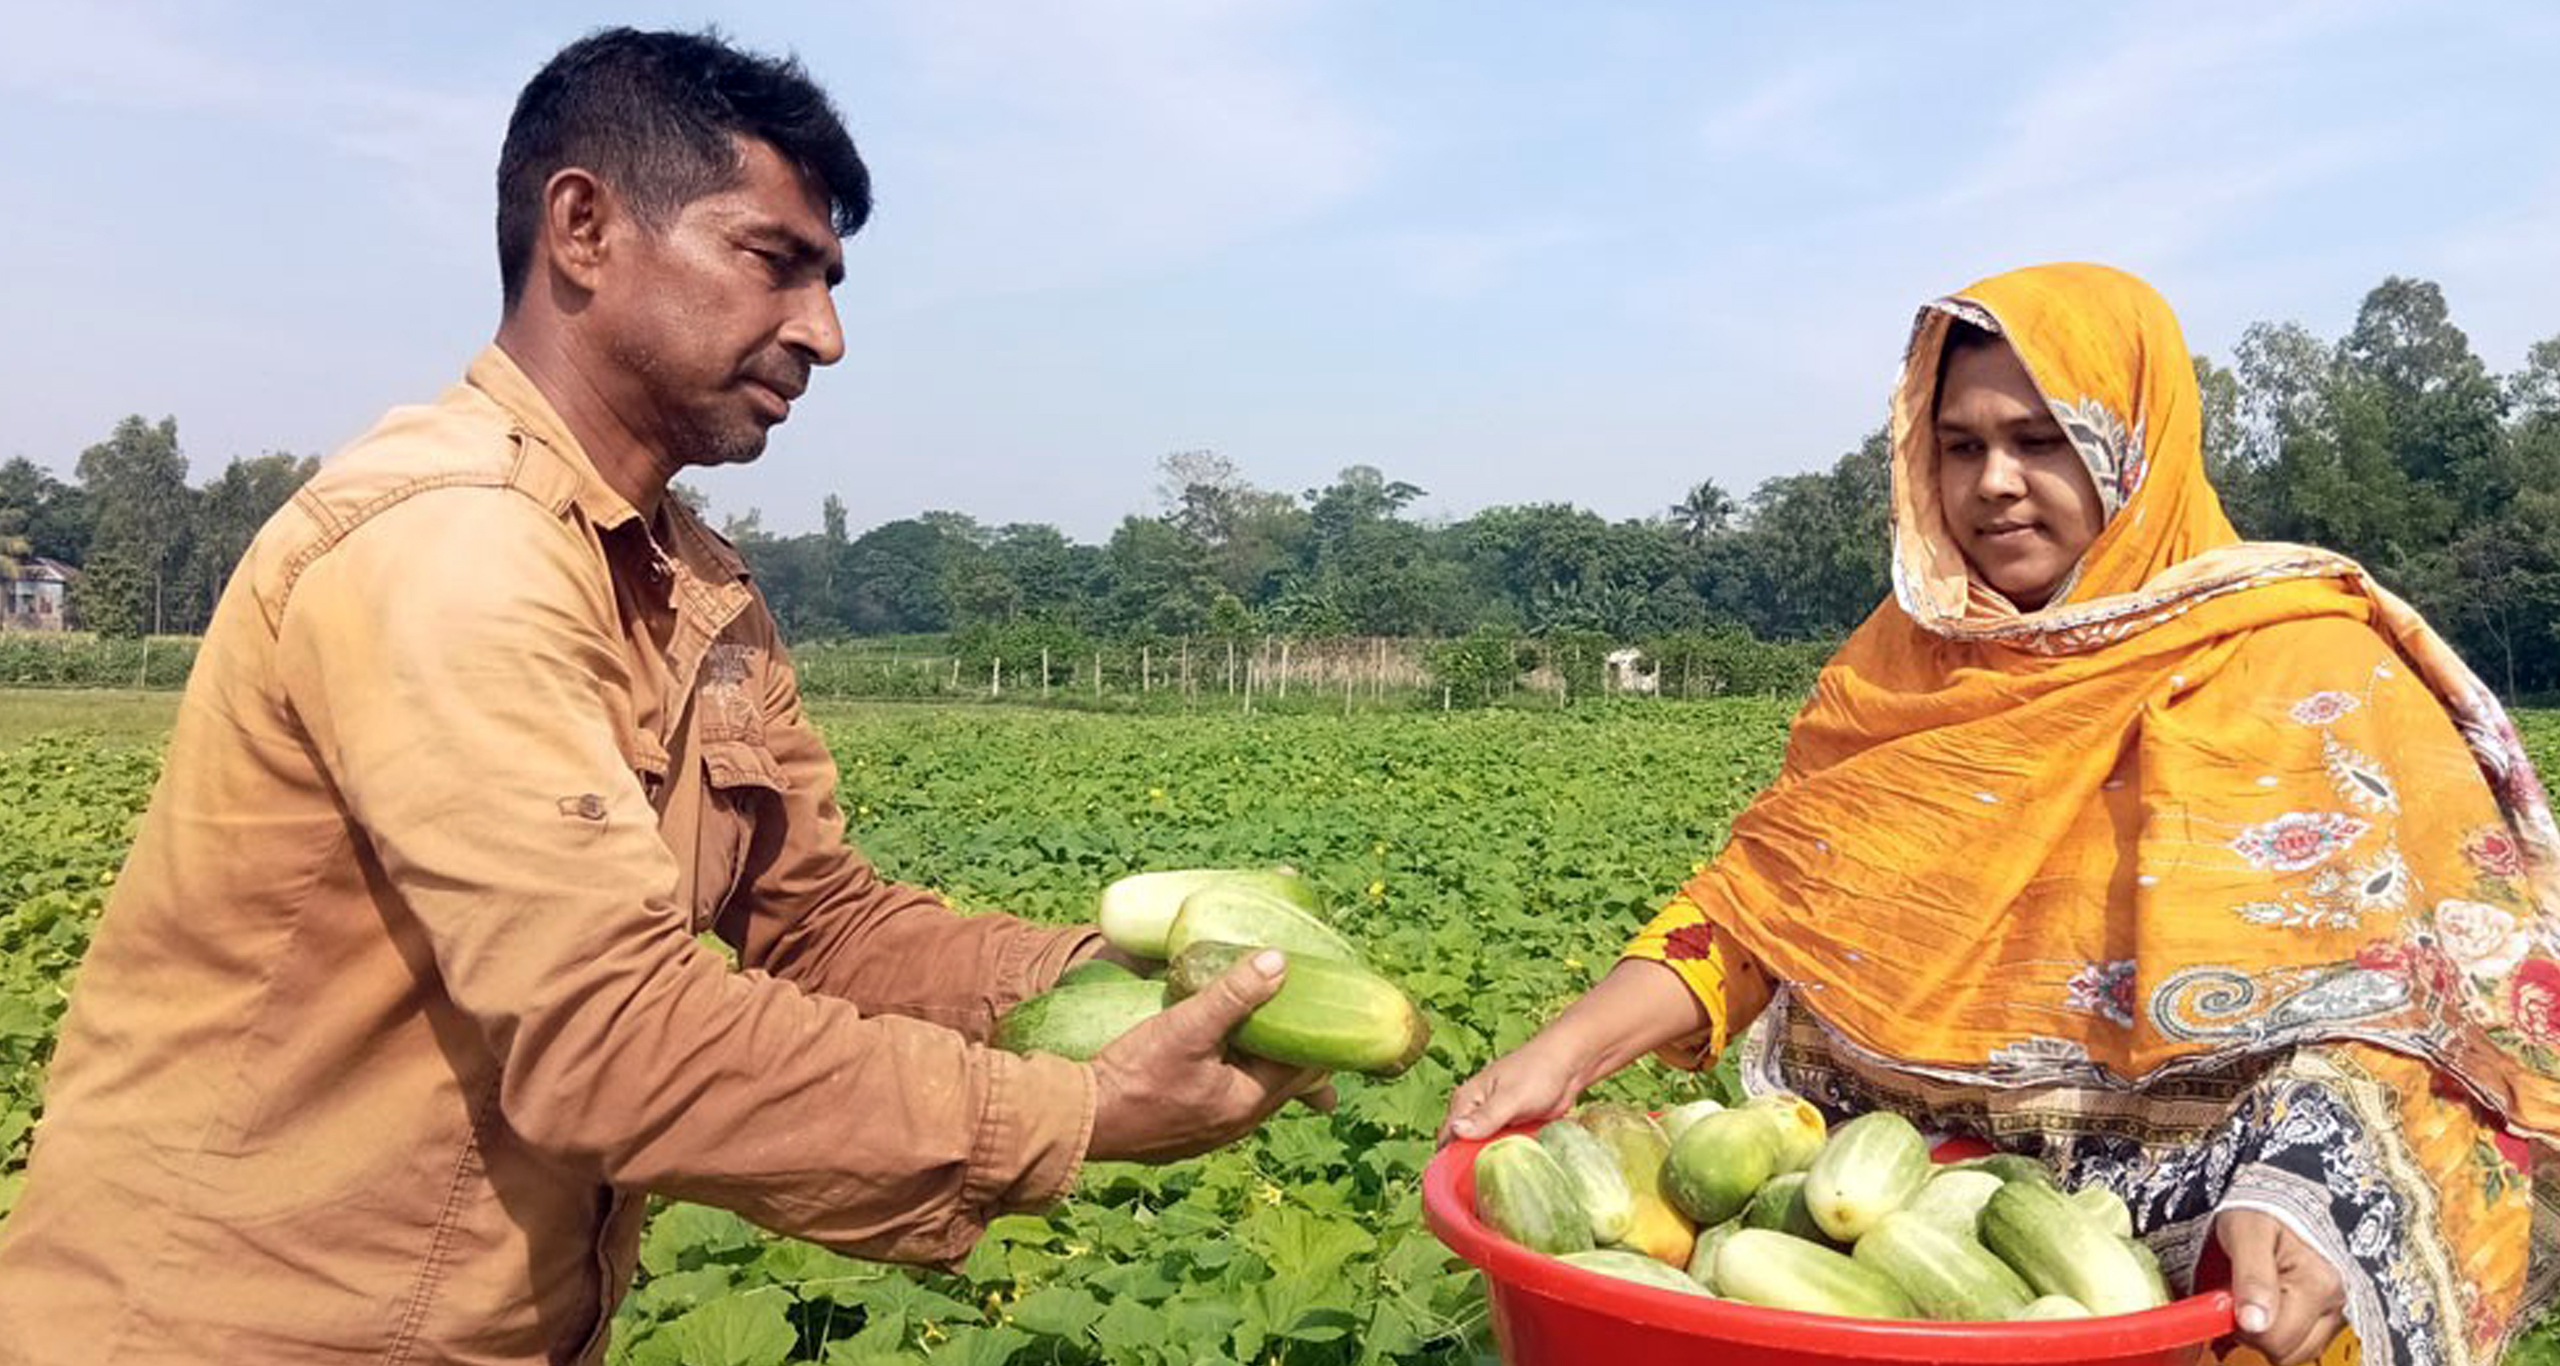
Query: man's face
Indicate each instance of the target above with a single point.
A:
(716, 319)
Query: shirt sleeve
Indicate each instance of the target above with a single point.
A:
(1728, 982)
(812, 910)
(456, 667)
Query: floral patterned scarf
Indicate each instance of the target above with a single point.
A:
(2216, 798)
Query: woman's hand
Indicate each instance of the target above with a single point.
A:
(2290, 1300)
(1637, 1008)
(1539, 1080)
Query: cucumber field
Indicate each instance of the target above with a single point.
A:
(1490, 862)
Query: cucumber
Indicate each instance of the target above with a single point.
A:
(1635, 1266)
(1798, 1126)
(1702, 1259)
(1764, 1267)
(1523, 1195)
(1595, 1177)
(2008, 1167)
(1234, 912)
(1334, 1015)
(2151, 1263)
(1658, 1230)
(1136, 912)
(2054, 1307)
(1094, 970)
(2048, 1241)
(1780, 1205)
(1956, 1198)
(1719, 1163)
(1678, 1118)
(2104, 1208)
(1947, 1274)
(1870, 1167)
(1079, 1021)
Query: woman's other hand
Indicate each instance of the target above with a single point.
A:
(2289, 1299)
(1539, 1080)
(1637, 1008)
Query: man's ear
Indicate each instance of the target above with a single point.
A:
(577, 213)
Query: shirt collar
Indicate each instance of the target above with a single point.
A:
(495, 373)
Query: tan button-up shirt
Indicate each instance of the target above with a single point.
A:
(399, 1006)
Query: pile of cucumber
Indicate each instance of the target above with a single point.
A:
(1764, 1204)
(1332, 1010)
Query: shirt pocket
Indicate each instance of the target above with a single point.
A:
(741, 781)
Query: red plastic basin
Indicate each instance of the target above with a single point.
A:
(1547, 1313)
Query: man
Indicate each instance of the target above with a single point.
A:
(399, 1009)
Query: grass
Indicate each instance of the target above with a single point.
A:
(117, 716)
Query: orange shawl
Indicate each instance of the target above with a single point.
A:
(2216, 797)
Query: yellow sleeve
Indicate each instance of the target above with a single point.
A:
(1727, 981)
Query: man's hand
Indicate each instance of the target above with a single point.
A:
(1168, 1089)
(2289, 1300)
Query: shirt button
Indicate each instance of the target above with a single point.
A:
(591, 806)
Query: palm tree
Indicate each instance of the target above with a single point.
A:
(1704, 514)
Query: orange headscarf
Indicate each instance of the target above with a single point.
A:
(2214, 797)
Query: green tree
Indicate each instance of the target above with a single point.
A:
(55, 516)
(15, 547)
(2533, 393)
(2227, 462)
(1812, 559)
(2439, 407)
(137, 480)
(229, 513)
(1157, 579)
(893, 576)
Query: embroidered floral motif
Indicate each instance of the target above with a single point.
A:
(2114, 455)
(2483, 939)
(2298, 840)
(2103, 989)
(2324, 708)
(2296, 913)
(1690, 942)
(2494, 851)
(2384, 955)
(2534, 1001)
(2380, 886)
(2359, 779)
(2419, 962)
(2041, 1057)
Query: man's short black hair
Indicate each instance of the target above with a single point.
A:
(653, 115)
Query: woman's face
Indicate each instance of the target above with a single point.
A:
(2017, 499)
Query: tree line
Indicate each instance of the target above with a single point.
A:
(2395, 444)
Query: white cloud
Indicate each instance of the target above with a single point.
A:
(1106, 141)
(132, 55)
(1789, 113)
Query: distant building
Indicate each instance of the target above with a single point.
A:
(39, 598)
(1627, 672)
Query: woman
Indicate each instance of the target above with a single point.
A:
(2199, 868)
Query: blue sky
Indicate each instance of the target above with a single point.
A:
(1510, 252)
